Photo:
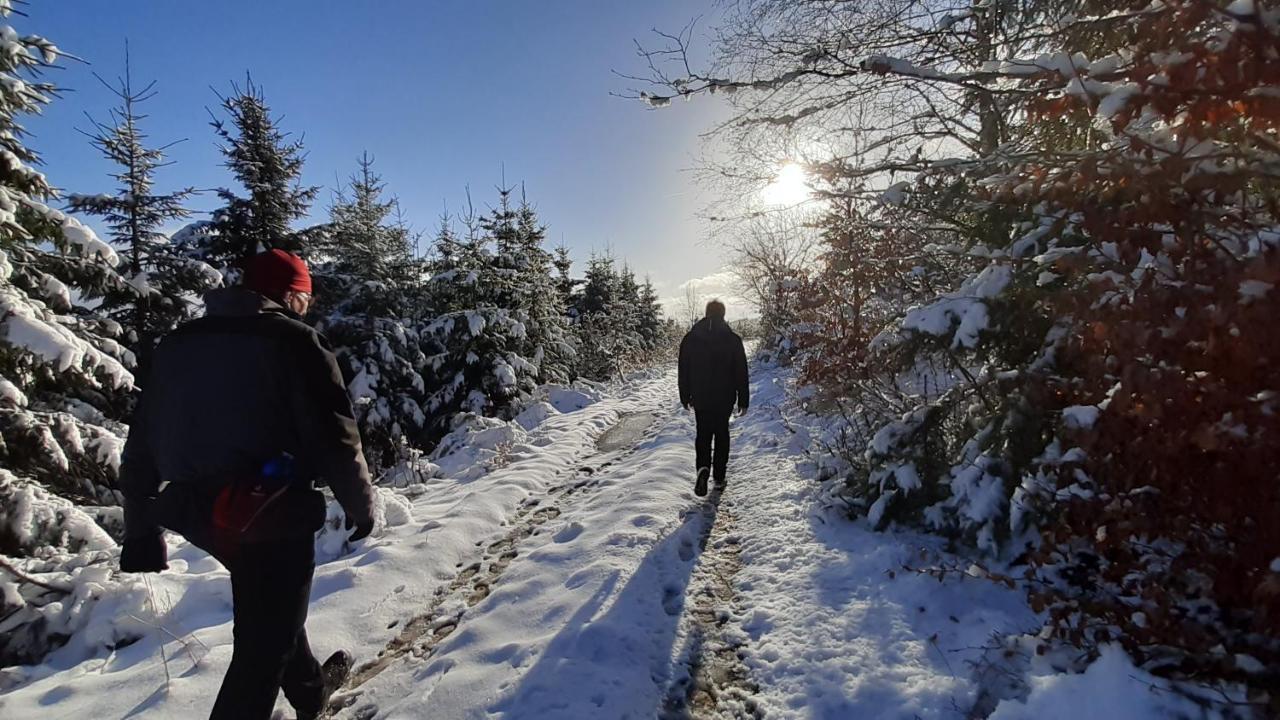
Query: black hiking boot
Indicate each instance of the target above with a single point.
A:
(334, 671)
(700, 487)
(721, 481)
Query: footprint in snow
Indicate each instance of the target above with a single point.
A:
(686, 550)
(672, 600)
(568, 533)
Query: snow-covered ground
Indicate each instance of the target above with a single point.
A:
(579, 577)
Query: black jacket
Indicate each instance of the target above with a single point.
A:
(713, 367)
(225, 394)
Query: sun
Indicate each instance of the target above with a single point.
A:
(790, 187)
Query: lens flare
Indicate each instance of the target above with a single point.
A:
(790, 187)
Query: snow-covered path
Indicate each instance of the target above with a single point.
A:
(595, 617)
(581, 578)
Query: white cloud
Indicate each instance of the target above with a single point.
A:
(723, 285)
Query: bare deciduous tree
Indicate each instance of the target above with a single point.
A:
(770, 249)
(691, 309)
(862, 94)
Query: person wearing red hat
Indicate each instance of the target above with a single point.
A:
(280, 276)
(242, 412)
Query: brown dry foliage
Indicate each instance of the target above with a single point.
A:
(1186, 455)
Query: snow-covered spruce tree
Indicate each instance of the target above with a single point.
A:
(628, 316)
(551, 343)
(269, 167)
(365, 237)
(64, 374)
(525, 286)
(618, 321)
(566, 284)
(473, 363)
(598, 286)
(597, 322)
(369, 301)
(649, 324)
(165, 284)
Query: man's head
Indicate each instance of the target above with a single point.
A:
(282, 277)
(715, 310)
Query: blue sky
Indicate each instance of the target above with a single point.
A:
(443, 94)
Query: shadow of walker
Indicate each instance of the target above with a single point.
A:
(589, 668)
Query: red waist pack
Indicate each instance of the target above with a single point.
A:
(254, 511)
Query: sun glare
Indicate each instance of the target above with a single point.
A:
(790, 187)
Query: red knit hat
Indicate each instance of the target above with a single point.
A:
(275, 272)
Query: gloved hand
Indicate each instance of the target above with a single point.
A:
(363, 527)
(144, 553)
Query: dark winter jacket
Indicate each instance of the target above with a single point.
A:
(225, 394)
(713, 367)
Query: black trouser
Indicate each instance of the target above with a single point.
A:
(271, 588)
(713, 423)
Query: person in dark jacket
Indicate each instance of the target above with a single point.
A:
(242, 411)
(713, 377)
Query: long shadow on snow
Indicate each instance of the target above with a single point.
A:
(589, 669)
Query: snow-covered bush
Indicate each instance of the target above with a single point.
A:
(31, 519)
(55, 568)
(78, 600)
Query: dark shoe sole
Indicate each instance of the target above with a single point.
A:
(336, 669)
(700, 487)
(334, 672)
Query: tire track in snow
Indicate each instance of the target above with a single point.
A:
(422, 633)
